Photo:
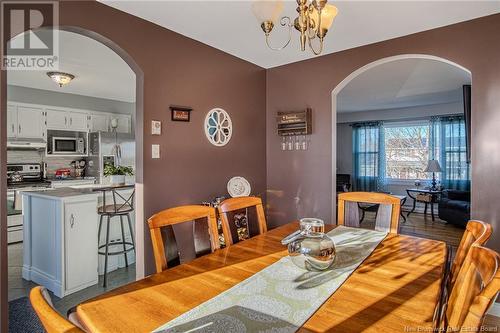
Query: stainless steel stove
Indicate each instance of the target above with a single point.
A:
(21, 177)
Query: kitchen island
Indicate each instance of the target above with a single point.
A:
(61, 237)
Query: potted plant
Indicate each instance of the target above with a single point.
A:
(117, 173)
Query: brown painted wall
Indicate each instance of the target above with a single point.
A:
(299, 183)
(179, 70)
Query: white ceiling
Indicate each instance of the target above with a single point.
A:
(230, 25)
(99, 71)
(403, 83)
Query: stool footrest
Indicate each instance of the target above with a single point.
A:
(116, 252)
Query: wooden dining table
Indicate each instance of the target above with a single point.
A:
(396, 289)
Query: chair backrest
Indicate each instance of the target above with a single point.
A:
(119, 199)
(476, 233)
(51, 320)
(389, 223)
(474, 291)
(234, 204)
(178, 215)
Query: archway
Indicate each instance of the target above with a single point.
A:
(345, 82)
(138, 131)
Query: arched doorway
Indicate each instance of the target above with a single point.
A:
(136, 127)
(371, 67)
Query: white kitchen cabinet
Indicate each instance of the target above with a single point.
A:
(30, 123)
(66, 120)
(60, 239)
(124, 122)
(80, 261)
(99, 122)
(11, 121)
(77, 121)
(57, 119)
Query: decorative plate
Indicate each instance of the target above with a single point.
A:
(238, 187)
(218, 127)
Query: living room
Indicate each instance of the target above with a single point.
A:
(399, 124)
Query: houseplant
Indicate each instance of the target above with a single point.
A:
(117, 173)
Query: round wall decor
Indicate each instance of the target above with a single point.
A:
(218, 127)
(238, 187)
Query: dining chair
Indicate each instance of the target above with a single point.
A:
(474, 291)
(387, 216)
(476, 233)
(51, 320)
(177, 215)
(232, 205)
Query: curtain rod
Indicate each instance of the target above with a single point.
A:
(351, 123)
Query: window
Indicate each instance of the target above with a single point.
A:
(407, 150)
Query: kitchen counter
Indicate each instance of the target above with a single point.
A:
(63, 192)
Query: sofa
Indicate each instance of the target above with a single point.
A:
(454, 207)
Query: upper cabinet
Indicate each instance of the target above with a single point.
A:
(66, 120)
(25, 122)
(32, 121)
(99, 122)
(123, 121)
(11, 121)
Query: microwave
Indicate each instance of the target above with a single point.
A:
(68, 145)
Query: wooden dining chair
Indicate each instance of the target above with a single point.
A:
(231, 205)
(387, 216)
(476, 233)
(474, 291)
(51, 320)
(177, 215)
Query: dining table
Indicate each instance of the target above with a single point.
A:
(395, 289)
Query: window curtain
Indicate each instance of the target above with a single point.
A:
(449, 147)
(369, 157)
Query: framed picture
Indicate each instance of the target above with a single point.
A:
(180, 113)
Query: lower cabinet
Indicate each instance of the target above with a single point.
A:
(60, 240)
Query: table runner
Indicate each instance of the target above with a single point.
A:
(281, 297)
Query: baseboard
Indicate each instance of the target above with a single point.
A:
(495, 309)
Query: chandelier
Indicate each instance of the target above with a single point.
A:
(60, 78)
(314, 20)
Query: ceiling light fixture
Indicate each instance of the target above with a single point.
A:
(61, 78)
(314, 20)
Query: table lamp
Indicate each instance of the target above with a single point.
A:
(433, 166)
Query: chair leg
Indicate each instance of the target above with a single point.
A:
(131, 231)
(106, 254)
(123, 241)
(99, 232)
(362, 216)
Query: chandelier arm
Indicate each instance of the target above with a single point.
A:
(309, 29)
(285, 21)
(312, 47)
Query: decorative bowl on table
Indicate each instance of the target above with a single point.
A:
(311, 249)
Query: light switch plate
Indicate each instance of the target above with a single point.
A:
(155, 127)
(155, 151)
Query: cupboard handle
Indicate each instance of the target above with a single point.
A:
(13, 129)
(19, 128)
(72, 220)
(65, 120)
(71, 121)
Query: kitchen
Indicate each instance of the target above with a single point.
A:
(61, 135)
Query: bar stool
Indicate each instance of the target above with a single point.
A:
(121, 206)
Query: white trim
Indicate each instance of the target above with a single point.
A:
(495, 309)
(343, 84)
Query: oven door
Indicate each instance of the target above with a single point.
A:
(64, 145)
(14, 219)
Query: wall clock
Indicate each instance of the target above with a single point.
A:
(218, 127)
(238, 187)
